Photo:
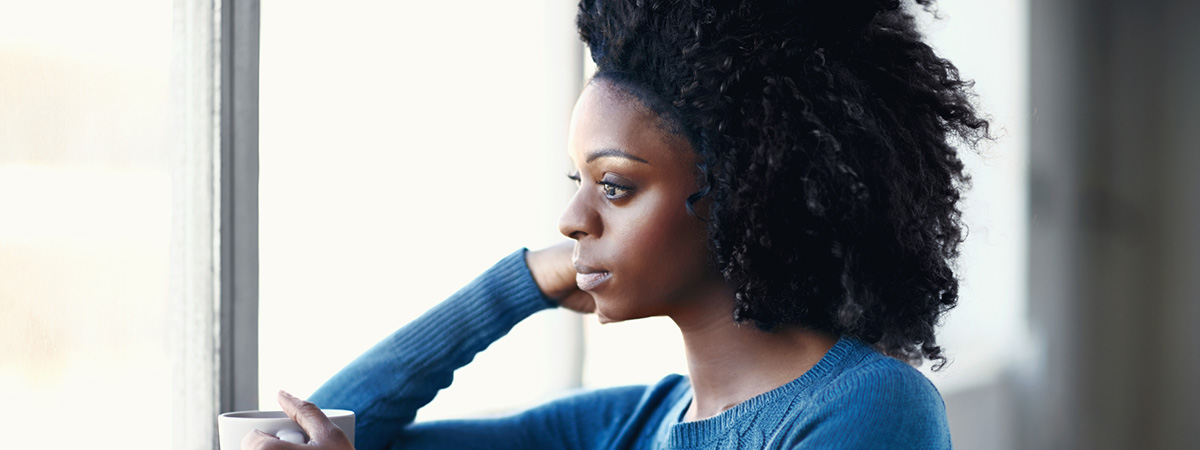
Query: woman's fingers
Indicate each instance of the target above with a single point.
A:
(311, 419)
(323, 434)
(554, 274)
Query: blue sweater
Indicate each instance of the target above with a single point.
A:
(854, 398)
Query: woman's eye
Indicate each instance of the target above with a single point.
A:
(614, 191)
(611, 190)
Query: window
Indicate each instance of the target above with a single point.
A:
(987, 336)
(406, 147)
(987, 331)
(113, 126)
(86, 222)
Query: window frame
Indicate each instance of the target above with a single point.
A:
(239, 22)
(214, 311)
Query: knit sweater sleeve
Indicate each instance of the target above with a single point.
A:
(592, 419)
(386, 385)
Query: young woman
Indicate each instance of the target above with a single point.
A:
(778, 178)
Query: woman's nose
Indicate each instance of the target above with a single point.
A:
(580, 218)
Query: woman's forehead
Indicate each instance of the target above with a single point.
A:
(603, 99)
(606, 115)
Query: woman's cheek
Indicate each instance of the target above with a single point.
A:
(665, 244)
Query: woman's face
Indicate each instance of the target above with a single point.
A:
(638, 251)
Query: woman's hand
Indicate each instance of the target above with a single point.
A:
(323, 434)
(555, 275)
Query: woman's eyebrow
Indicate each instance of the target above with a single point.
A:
(614, 153)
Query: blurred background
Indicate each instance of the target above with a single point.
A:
(404, 148)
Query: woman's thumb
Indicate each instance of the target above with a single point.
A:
(308, 415)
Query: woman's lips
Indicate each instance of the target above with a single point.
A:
(589, 281)
(588, 278)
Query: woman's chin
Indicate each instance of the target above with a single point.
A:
(605, 318)
(608, 314)
(614, 315)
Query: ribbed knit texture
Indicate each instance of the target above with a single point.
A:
(854, 398)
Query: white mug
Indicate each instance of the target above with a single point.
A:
(232, 427)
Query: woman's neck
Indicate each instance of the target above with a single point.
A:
(730, 363)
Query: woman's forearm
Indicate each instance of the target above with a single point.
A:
(386, 385)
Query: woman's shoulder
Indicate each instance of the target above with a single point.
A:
(865, 375)
(873, 399)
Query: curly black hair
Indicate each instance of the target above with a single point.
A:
(827, 132)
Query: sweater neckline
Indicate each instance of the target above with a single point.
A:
(695, 434)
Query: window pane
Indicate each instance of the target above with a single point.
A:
(85, 222)
(405, 147)
(986, 332)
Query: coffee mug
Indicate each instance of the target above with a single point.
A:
(232, 427)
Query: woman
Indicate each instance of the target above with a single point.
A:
(778, 179)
